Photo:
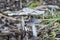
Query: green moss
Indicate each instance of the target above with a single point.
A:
(58, 21)
(26, 1)
(46, 21)
(33, 5)
(37, 16)
(48, 16)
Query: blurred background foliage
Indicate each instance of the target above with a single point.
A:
(38, 2)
